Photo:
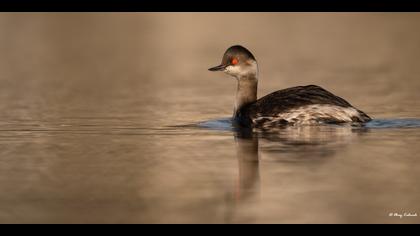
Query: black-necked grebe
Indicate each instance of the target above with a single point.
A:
(293, 106)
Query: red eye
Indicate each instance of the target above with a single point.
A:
(234, 61)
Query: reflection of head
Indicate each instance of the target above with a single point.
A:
(290, 144)
(247, 184)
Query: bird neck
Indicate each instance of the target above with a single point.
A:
(246, 92)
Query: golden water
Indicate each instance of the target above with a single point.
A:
(114, 118)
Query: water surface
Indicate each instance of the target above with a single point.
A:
(114, 118)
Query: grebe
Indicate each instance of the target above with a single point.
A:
(301, 105)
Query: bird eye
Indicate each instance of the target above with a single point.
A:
(234, 61)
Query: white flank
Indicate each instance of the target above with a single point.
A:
(312, 114)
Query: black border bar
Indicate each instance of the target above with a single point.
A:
(210, 5)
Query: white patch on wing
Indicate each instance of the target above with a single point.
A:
(311, 114)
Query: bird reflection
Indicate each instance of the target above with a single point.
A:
(248, 163)
(314, 144)
(247, 186)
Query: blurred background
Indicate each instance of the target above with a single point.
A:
(95, 108)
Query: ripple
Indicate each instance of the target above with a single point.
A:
(224, 124)
(393, 123)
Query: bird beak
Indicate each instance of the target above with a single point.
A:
(218, 68)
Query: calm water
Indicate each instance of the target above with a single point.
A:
(114, 118)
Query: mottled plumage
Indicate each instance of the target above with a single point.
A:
(310, 101)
